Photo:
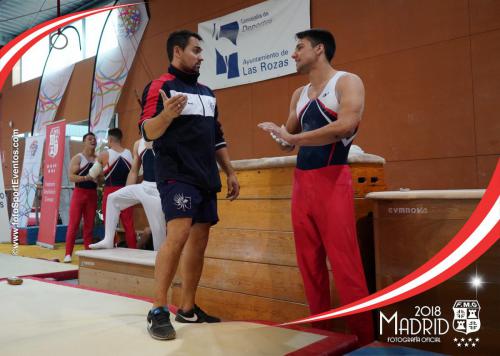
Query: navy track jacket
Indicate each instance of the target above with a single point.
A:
(186, 150)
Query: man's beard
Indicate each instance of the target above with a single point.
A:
(303, 69)
(192, 70)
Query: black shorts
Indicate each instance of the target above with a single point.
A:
(182, 200)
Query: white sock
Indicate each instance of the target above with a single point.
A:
(104, 243)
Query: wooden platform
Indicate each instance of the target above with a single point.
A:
(119, 269)
(40, 318)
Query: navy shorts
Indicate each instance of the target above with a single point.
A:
(182, 200)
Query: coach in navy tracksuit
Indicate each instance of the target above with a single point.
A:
(180, 115)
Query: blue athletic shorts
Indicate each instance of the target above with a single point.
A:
(182, 200)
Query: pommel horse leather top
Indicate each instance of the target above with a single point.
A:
(356, 155)
(428, 194)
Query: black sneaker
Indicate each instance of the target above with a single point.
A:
(159, 326)
(195, 315)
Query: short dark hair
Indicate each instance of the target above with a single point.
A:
(116, 133)
(87, 134)
(181, 39)
(319, 36)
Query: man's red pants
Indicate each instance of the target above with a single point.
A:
(83, 202)
(126, 217)
(324, 226)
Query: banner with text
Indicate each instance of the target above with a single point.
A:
(252, 44)
(30, 175)
(52, 175)
(4, 214)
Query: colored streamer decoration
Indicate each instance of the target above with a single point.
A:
(120, 38)
(130, 21)
(52, 88)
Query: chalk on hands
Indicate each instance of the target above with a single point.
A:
(280, 140)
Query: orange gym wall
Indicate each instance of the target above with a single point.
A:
(431, 71)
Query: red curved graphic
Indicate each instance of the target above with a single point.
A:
(13, 51)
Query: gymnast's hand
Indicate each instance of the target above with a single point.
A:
(173, 107)
(279, 134)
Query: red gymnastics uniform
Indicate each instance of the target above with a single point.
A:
(83, 202)
(323, 215)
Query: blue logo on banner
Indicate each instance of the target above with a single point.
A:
(227, 62)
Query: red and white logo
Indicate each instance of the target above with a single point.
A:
(54, 141)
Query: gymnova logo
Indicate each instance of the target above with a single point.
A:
(428, 324)
(418, 210)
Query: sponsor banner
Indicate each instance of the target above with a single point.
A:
(113, 64)
(252, 44)
(4, 215)
(29, 177)
(52, 175)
